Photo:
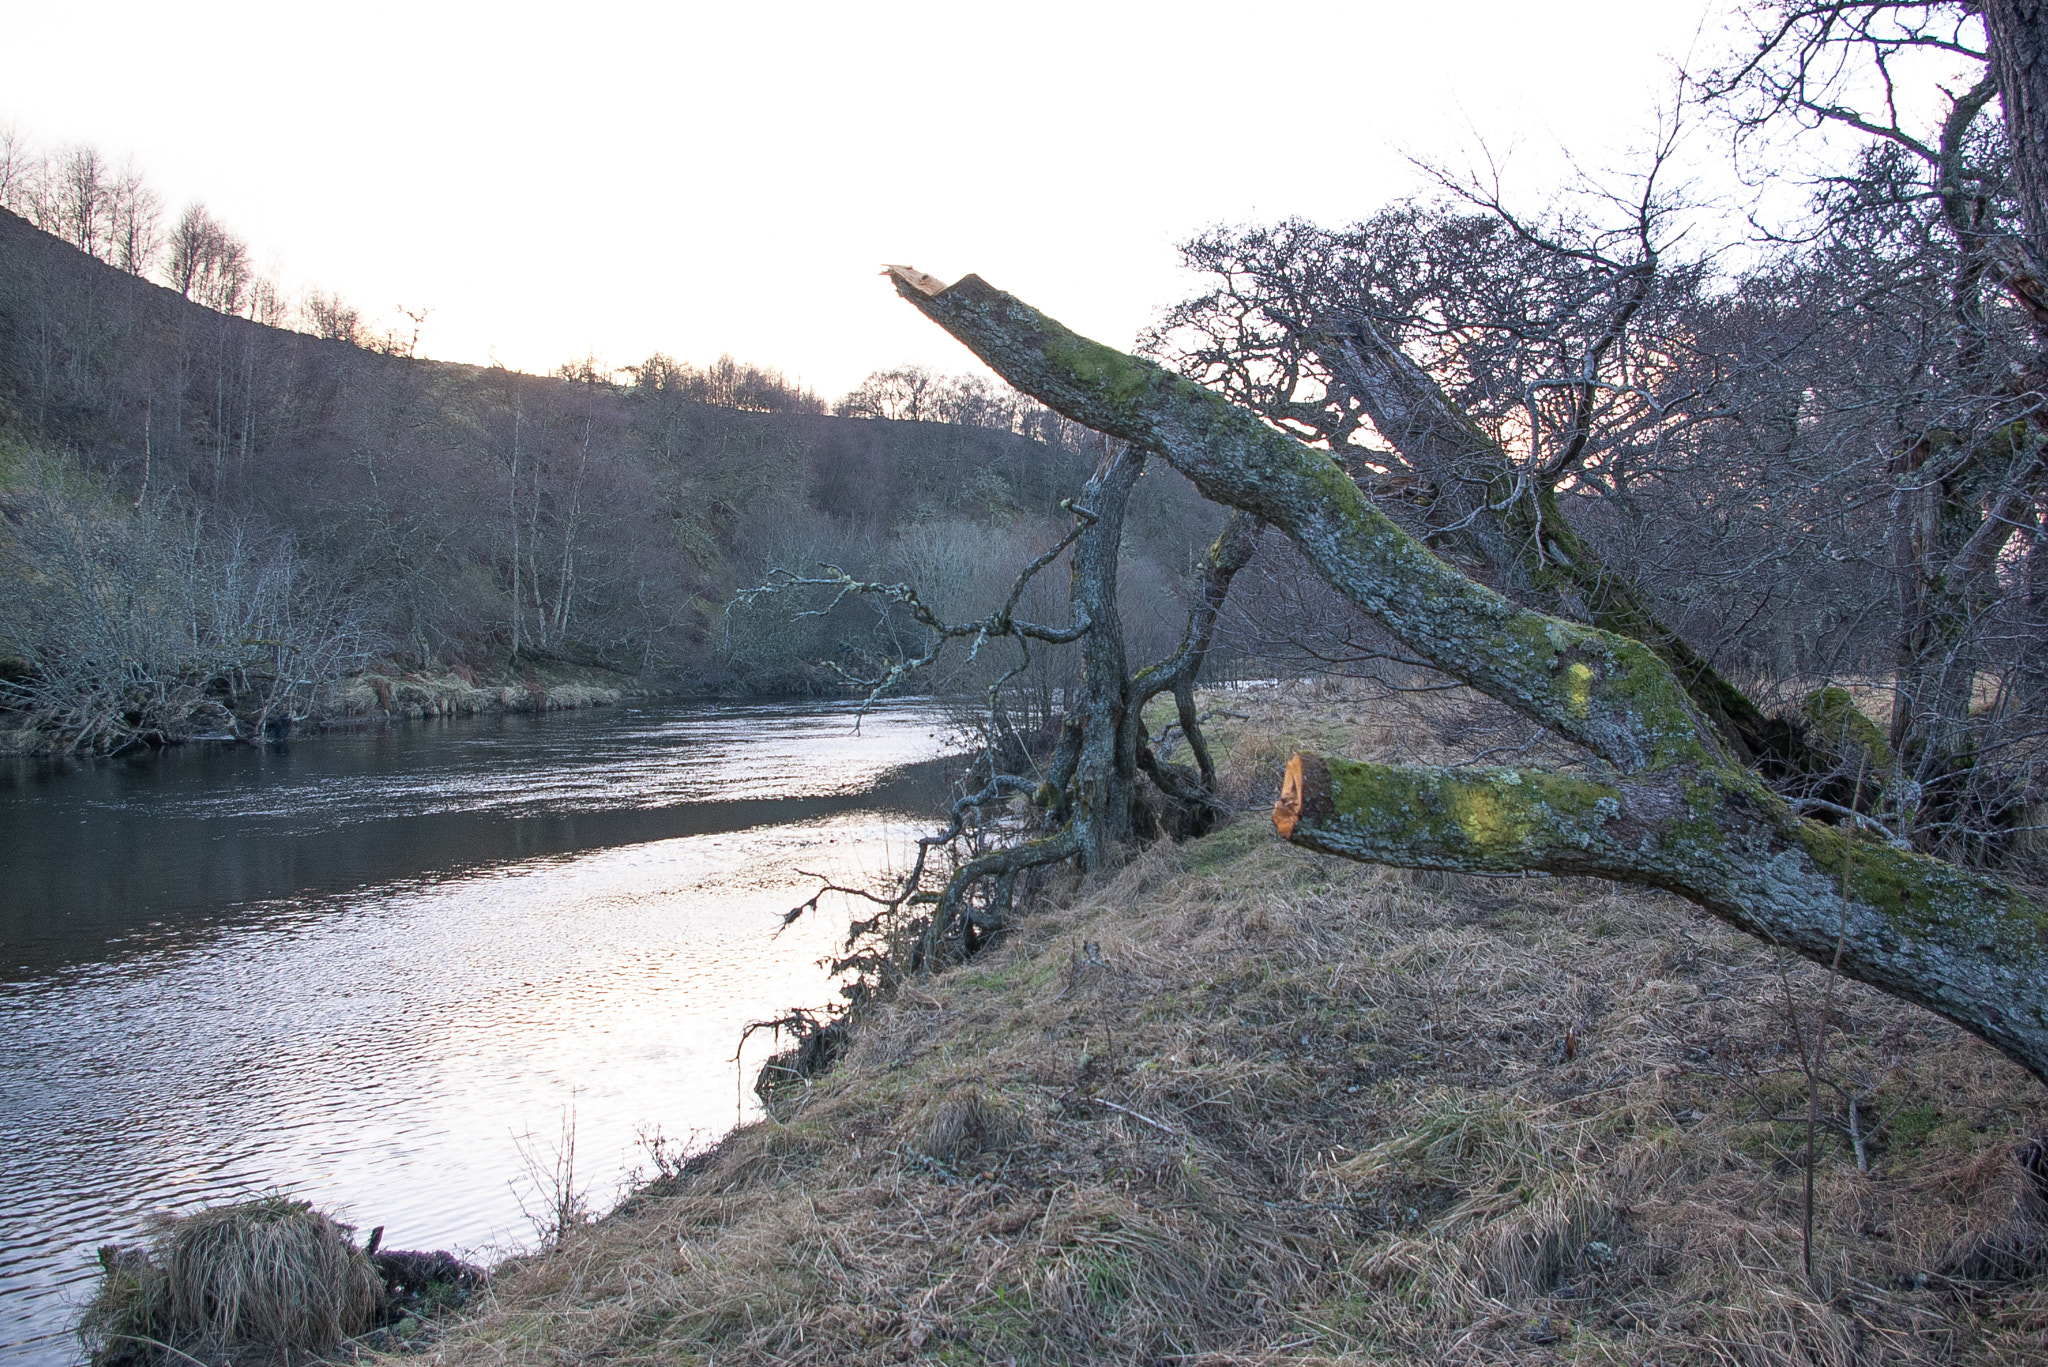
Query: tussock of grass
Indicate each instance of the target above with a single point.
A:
(1246, 1105)
(273, 1275)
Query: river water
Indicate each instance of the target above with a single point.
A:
(383, 970)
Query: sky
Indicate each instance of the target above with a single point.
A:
(612, 179)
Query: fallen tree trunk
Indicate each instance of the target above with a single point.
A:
(1666, 806)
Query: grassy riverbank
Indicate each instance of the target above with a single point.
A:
(1243, 1104)
(380, 697)
(402, 695)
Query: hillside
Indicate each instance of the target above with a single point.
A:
(1245, 1105)
(431, 516)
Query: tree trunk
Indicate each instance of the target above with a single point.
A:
(1095, 790)
(1106, 776)
(1519, 533)
(2018, 30)
(1670, 810)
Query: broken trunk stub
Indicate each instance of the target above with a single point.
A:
(913, 278)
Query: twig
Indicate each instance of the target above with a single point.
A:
(1863, 819)
(1161, 1126)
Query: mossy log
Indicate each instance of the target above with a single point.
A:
(1669, 808)
(1965, 946)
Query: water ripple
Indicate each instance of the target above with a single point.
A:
(566, 915)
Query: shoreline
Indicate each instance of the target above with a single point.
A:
(1238, 1104)
(381, 698)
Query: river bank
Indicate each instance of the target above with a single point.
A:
(398, 695)
(383, 697)
(1241, 1104)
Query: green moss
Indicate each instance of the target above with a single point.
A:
(1928, 898)
(1769, 1141)
(1226, 845)
(1489, 813)
(1914, 1125)
(1841, 725)
(988, 980)
(1114, 376)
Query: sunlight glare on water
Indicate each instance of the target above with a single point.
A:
(454, 937)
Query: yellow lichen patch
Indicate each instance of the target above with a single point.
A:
(1488, 820)
(1578, 687)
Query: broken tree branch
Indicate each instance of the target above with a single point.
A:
(1670, 809)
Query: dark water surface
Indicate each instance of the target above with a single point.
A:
(375, 968)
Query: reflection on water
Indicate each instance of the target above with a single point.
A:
(367, 966)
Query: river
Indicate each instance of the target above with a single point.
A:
(381, 970)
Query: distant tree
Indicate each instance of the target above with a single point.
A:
(78, 196)
(725, 383)
(16, 166)
(208, 264)
(332, 317)
(585, 370)
(402, 338)
(911, 393)
(78, 200)
(908, 393)
(135, 225)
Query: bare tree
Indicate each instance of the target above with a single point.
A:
(725, 383)
(208, 264)
(1663, 803)
(908, 393)
(135, 224)
(332, 317)
(16, 167)
(141, 627)
(1104, 788)
(1921, 260)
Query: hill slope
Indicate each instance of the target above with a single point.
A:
(466, 516)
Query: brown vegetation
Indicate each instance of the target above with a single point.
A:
(206, 514)
(272, 1275)
(1240, 1104)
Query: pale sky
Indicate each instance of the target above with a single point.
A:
(619, 178)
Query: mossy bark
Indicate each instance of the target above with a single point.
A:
(1964, 946)
(1671, 810)
(1512, 523)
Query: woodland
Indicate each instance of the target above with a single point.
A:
(219, 501)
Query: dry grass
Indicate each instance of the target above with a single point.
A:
(1246, 1105)
(271, 1275)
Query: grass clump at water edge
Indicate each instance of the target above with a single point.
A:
(272, 1275)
